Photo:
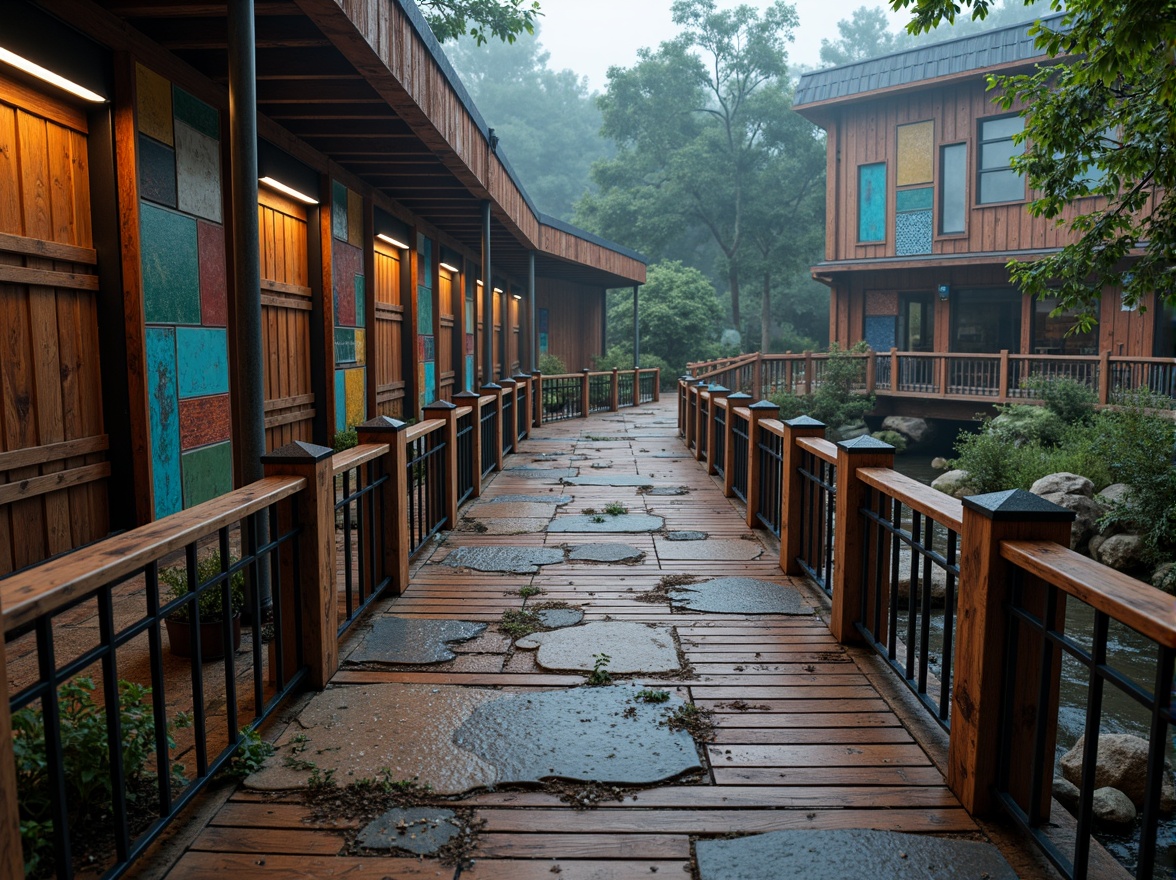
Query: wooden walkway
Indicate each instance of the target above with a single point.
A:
(803, 739)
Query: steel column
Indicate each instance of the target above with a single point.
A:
(487, 300)
(636, 332)
(531, 311)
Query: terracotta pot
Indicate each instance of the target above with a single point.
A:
(212, 638)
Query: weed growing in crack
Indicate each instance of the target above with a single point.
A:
(699, 723)
(529, 590)
(648, 696)
(615, 508)
(600, 676)
(518, 624)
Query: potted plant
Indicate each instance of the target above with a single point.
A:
(212, 608)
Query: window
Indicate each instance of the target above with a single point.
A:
(872, 202)
(998, 182)
(1052, 334)
(985, 321)
(952, 185)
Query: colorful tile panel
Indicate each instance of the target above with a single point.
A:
(430, 384)
(912, 233)
(360, 347)
(356, 400)
(881, 302)
(198, 180)
(914, 199)
(163, 407)
(171, 274)
(157, 172)
(214, 298)
(425, 266)
(340, 400)
(338, 210)
(469, 372)
(344, 345)
(208, 472)
(204, 361)
(872, 202)
(424, 310)
(347, 263)
(880, 332)
(204, 420)
(360, 301)
(426, 348)
(153, 96)
(916, 153)
(194, 113)
(354, 218)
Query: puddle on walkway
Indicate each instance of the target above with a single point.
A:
(507, 560)
(630, 647)
(404, 640)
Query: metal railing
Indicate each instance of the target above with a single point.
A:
(625, 392)
(509, 422)
(360, 524)
(739, 436)
(647, 386)
(522, 424)
(426, 482)
(770, 443)
(488, 425)
(818, 471)
(466, 466)
(599, 392)
(563, 397)
(720, 417)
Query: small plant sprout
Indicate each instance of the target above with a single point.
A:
(251, 753)
(597, 518)
(600, 676)
(615, 508)
(529, 590)
(648, 696)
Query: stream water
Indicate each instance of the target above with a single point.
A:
(1128, 652)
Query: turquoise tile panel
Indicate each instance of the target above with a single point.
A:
(340, 400)
(203, 361)
(360, 300)
(171, 273)
(469, 372)
(914, 199)
(880, 332)
(198, 177)
(208, 473)
(164, 407)
(872, 202)
(344, 345)
(338, 210)
(424, 311)
(195, 113)
(425, 255)
(430, 390)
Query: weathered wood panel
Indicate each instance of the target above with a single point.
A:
(387, 349)
(53, 470)
(575, 321)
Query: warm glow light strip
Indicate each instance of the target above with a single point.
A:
(479, 284)
(288, 190)
(498, 290)
(392, 241)
(450, 268)
(518, 296)
(49, 76)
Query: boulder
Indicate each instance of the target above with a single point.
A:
(938, 582)
(852, 430)
(1063, 483)
(939, 463)
(1115, 495)
(915, 430)
(1086, 514)
(1122, 764)
(1113, 807)
(953, 483)
(1163, 578)
(1120, 552)
(1066, 793)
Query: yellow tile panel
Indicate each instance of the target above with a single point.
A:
(154, 96)
(356, 405)
(360, 347)
(354, 219)
(916, 153)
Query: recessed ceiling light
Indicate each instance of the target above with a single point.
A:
(392, 241)
(289, 190)
(445, 265)
(49, 76)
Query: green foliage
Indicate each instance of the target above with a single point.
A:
(529, 590)
(211, 600)
(615, 508)
(836, 400)
(648, 696)
(348, 439)
(250, 754)
(1021, 423)
(1097, 124)
(599, 675)
(550, 365)
(518, 624)
(504, 19)
(620, 355)
(1072, 401)
(895, 439)
(85, 761)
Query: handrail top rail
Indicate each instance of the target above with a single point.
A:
(43, 589)
(486, 400)
(944, 509)
(820, 447)
(352, 458)
(463, 411)
(420, 429)
(741, 411)
(772, 426)
(1145, 609)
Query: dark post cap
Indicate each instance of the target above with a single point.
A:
(719, 389)
(865, 443)
(507, 381)
(383, 423)
(441, 404)
(1017, 504)
(536, 372)
(739, 395)
(520, 377)
(466, 395)
(297, 451)
(762, 405)
(804, 422)
(490, 386)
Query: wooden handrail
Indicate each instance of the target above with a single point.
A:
(420, 429)
(826, 450)
(1142, 607)
(772, 426)
(42, 590)
(356, 456)
(942, 508)
(463, 411)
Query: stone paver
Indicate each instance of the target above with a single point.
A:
(610, 480)
(739, 595)
(510, 510)
(631, 647)
(586, 733)
(625, 522)
(412, 640)
(664, 491)
(551, 498)
(529, 473)
(716, 549)
(849, 855)
(511, 560)
(605, 553)
(558, 618)
(686, 535)
(418, 830)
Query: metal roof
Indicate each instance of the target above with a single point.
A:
(992, 48)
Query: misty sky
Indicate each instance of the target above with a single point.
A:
(589, 36)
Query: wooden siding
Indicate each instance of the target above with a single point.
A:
(576, 321)
(286, 304)
(578, 250)
(53, 468)
(387, 355)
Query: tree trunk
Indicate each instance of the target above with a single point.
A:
(766, 314)
(733, 278)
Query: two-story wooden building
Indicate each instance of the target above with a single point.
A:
(924, 210)
(150, 152)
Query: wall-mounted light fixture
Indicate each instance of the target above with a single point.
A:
(288, 190)
(46, 75)
(944, 291)
(392, 230)
(517, 296)
(480, 284)
(498, 290)
(449, 268)
(395, 242)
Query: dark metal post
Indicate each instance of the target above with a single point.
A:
(636, 332)
(531, 311)
(250, 434)
(487, 300)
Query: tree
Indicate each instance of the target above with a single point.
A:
(691, 122)
(547, 121)
(1100, 121)
(866, 35)
(505, 19)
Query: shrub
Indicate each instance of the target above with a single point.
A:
(835, 401)
(1071, 401)
(895, 439)
(348, 439)
(550, 365)
(211, 599)
(1022, 423)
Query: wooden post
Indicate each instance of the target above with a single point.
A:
(1003, 387)
(762, 409)
(978, 689)
(895, 379)
(792, 491)
(808, 373)
(316, 594)
(396, 541)
(849, 569)
(537, 396)
(691, 391)
(447, 412)
(526, 398)
(717, 393)
(11, 854)
(757, 375)
(615, 401)
(737, 399)
(585, 392)
(1104, 377)
(636, 387)
(496, 392)
(509, 432)
(941, 377)
(701, 421)
(657, 384)
(871, 371)
(470, 399)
